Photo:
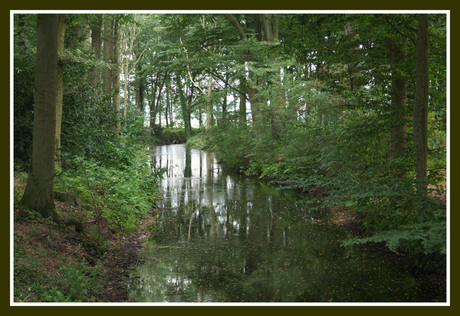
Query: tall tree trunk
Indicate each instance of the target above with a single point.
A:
(188, 109)
(153, 110)
(420, 115)
(116, 73)
(39, 193)
(125, 89)
(209, 104)
(60, 85)
(159, 107)
(270, 27)
(243, 99)
(167, 102)
(96, 43)
(183, 103)
(139, 82)
(398, 101)
(108, 58)
(224, 101)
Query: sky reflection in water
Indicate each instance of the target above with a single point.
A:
(221, 237)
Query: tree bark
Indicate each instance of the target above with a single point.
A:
(125, 89)
(153, 110)
(107, 56)
(158, 107)
(140, 87)
(237, 25)
(224, 101)
(167, 102)
(39, 193)
(128, 34)
(116, 73)
(209, 104)
(96, 43)
(270, 27)
(60, 85)
(243, 99)
(420, 114)
(183, 103)
(398, 101)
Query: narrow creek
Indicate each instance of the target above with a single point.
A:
(222, 237)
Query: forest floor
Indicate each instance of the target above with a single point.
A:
(43, 248)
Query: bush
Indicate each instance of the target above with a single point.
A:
(122, 192)
(234, 146)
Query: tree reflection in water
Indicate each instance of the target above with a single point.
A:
(222, 237)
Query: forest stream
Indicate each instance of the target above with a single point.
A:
(222, 237)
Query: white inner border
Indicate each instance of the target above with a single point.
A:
(13, 12)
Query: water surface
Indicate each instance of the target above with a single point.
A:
(223, 237)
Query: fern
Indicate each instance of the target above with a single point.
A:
(430, 235)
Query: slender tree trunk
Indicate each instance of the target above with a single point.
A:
(39, 193)
(209, 104)
(171, 115)
(140, 94)
(188, 109)
(420, 115)
(96, 43)
(243, 99)
(127, 34)
(167, 103)
(108, 59)
(153, 110)
(159, 107)
(60, 85)
(140, 85)
(183, 103)
(125, 89)
(116, 73)
(237, 25)
(224, 102)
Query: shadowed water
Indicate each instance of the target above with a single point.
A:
(222, 237)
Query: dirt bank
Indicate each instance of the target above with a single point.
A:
(48, 255)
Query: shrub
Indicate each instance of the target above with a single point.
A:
(122, 192)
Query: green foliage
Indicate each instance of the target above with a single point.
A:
(429, 237)
(123, 193)
(201, 140)
(87, 131)
(74, 281)
(24, 71)
(340, 143)
(234, 145)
